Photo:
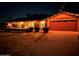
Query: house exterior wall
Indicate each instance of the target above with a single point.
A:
(9, 25)
(26, 24)
(78, 25)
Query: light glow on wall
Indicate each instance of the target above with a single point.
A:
(42, 23)
(21, 23)
(32, 23)
(9, 25)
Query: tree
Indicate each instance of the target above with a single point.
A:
(28, 15)
(10, 17)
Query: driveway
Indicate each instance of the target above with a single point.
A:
(54, 43)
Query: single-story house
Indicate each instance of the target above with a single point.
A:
(62, 21)
(23, 23)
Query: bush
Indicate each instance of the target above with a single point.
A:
(45, 29)
(30, 29)
(37, 29)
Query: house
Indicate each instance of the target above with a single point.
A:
(64, 21)
(23, 23)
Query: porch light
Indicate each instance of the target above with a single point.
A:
(26, 27)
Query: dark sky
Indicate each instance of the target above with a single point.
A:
(20, 9)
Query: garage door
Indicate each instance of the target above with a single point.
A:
(63, 26)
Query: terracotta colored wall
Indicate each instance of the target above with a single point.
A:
(63, 26)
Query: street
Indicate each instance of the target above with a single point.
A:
(54, 43)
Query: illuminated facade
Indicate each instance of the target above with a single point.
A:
(63, 21)
(25, 24)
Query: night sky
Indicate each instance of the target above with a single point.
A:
(20, 9)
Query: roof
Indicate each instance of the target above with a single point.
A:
(63, 16)
(33, 17)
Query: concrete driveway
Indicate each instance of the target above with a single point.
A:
(54, 43)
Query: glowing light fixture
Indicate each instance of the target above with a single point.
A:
(76, 14)
(26, 27)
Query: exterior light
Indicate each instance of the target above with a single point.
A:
(9, 25)
(76, 14)
(67, 13)
(71, 13)
(26, 27)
